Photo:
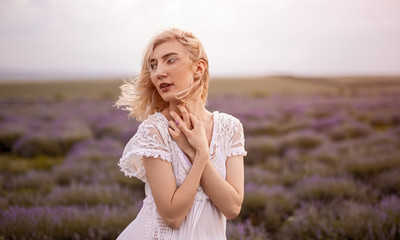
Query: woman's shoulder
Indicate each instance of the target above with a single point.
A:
(154, 124)
(154, 129)
(155, 120)
(227, 124)
(227, 119)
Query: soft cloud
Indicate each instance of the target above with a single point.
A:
(241, 37)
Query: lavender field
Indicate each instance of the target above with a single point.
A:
(319, 166)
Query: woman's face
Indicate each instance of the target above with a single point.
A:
(171, 69)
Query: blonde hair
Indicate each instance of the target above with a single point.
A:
(140, 97)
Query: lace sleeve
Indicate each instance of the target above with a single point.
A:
(236, 141)
(147, 141)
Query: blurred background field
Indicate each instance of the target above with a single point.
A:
(250, 86)
(322, 128)
(323, 158)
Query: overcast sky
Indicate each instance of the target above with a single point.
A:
(246, 38)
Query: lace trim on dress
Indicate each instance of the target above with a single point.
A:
(155, 229)
(153, 140)
(131, 164)
(148, 141)
(239, 151)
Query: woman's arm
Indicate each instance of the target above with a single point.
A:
(173, 203)
(226, 194)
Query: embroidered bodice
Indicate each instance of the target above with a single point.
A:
(152, 139)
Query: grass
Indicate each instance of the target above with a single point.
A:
(321, 164)
(60, 89)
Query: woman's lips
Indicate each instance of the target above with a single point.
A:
(164, 87)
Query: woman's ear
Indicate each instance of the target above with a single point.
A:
(201, 67)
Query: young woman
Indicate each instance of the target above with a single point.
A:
(191, 160)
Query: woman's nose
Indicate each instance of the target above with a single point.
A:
(160, 72)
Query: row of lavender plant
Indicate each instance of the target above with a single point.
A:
(318, 167)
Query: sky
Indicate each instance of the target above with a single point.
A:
(241, 38)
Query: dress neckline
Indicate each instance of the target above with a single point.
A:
(214, 129)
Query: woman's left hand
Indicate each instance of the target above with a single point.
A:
(195, 133)
(178, 135)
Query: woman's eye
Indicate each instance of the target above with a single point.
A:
(153, 66)
(171, 60)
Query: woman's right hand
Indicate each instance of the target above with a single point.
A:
(181, 140)
(196, 136)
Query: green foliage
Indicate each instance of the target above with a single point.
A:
(321, 167)
(3, 203)
(15, 164)
(9, 133)
(388, 182)
(384, 121)
(71, 133)
(253, 206)
(132, 183)
(259, 149)
(25, 197)
(329, 188)
(38, 181)
(79, 194)
(78, 172)
(274, 164)
(279, 207)
(100, 222)
(301, 140)
(368, 166)
(344, 220)
(267, 206)
(265, 129)
(292, 127)
(37, 143)
(245, 230)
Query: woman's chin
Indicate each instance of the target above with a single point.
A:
(169, 97)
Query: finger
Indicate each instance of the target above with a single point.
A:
(185, 115)
(177, 119)
(179, 122)
(173, 133)
(174, 127)
(193, 120)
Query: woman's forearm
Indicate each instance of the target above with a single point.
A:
(182, 199)
(225, 196)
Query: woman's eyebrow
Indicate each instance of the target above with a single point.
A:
(166, 56)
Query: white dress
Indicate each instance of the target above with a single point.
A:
(152, 139)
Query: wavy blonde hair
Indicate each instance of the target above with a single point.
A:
(140, 97)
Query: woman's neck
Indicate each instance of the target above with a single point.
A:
(196, 107)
